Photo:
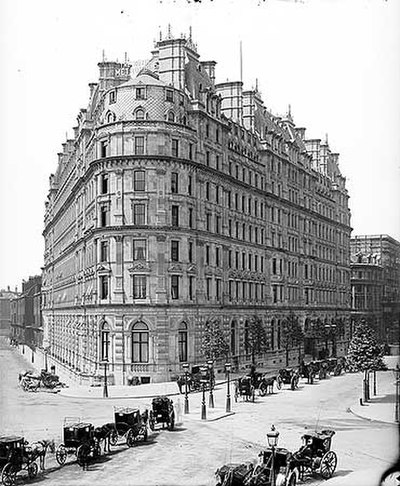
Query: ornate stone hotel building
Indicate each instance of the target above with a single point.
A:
(179, 199)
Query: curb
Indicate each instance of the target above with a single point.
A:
(356, 414)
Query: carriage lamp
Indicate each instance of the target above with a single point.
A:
(105, 387)
(272, 438)
(203, 371)
(185, 366)
(210, 365)
(228, 368)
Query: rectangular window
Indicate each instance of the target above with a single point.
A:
(139, 180)
(104, 287)
(190, 217)
(174, 183)
(175, 147)
(230, 227)
(190, 188)
(217, 158)
(208, 221)
(208, 158)
(139, 145)
(175, 216)
(112, 97)
(190, 151)
(218, 288)
(191, 288)
(169, 95)
(139, 249)
(218, 224)
(104, 251)
(182, 346)
(274, 294)
(103, 149)
(230, 259)
(139, 286)
(175, 251)
(104, 183)
(104, 216)
(175, 287)
(217, 257)
(139, 214)
(237, 260)
(140, 93)
(207, 255)
(208, 288)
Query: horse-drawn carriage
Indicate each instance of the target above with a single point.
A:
(273, 468)
(129, 424)
(162, 413)
(31, 381)
(265, 382)
(78, 439)
(195, 379)
(16, 456)
(244, 388)
(315, 455)
(290, 376)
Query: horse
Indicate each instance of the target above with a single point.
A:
(103, 434)
(39, 449)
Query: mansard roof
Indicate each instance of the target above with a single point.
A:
(146, 78)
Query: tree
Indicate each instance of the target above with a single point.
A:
(255, 338)
(213, 343)
(364, 353)
(291, 334)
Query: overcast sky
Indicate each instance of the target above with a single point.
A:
(336, 62)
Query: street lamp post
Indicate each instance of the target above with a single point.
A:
(185, 366)
(46, 350)
(272, 438)
(211, 378)
(228, 368)
(203, 371)
(105, 387)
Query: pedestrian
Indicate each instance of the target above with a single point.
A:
(178, 412)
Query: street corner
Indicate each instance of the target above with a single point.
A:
(374, 412)
(366, 477)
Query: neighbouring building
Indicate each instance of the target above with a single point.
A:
(5, 310)
(178, 199)
(26, 318)
(375, 284)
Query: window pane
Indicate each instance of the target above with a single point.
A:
(139, 214)
(139, 249)
(139, 180)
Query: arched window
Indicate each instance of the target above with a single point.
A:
(105, 341)
(140, 343)
(273, 334)
(110, 117)
(139, 114)
(171, 116)
(183, 343)
(233, 338)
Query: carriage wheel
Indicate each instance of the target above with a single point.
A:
(171, 423)
(61, 454)
(113, 437)
(8, 474)
(253, 395)
(32, 470)
(292, 480)
(130, 438)
(262, 391)
(82, 454)
(328, 465)
(278, 383)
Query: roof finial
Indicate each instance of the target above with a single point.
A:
(289, 111)
(326, 139)
(190, 33)
(160, 34)
(257, 85)
(126, 57)
(104, 55)
(241, 62)
(169, 31)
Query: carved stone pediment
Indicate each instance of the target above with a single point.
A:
(139, 266)
(219, 272)
(175, 267)
(192, 268)
(103, 268)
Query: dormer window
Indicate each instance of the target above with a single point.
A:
(141, 93)
(139, 114)
(110, 118)
(112, 97)
(169, 95)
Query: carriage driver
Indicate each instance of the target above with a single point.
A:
(305, 454)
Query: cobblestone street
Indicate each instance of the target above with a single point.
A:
(190, 454)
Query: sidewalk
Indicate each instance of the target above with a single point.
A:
(381, 407)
